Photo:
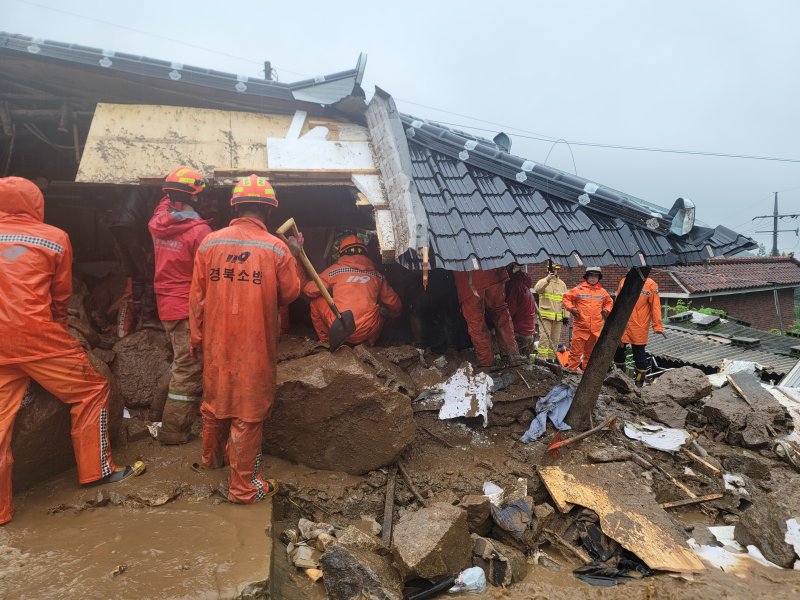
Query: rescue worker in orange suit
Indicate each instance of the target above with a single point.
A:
(480, 292)
(242, 276)
(522, 309)
(355, 285)
(177, 232)
(590, 304)
(646, 312)
(35, 287)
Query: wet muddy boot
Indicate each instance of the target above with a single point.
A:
(620, 366)
(176, 422)
(640, 377)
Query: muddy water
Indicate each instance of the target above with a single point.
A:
(193, 546)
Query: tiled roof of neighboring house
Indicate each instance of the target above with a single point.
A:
(720, 274)
(739, 334)
(487, 208)
(703, 351)
(61, 64)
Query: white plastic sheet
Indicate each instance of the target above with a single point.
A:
(659, 437)
(466, 395)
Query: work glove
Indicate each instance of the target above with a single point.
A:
(662, 334)
(565, 320)
(575, 312)
(295, 244)
(605, 313)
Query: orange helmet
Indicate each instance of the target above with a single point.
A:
(351, 241)
(254, 189)
(185, 179)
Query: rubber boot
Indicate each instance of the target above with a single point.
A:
(640, 376)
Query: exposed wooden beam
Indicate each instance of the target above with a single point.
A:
(580, 414)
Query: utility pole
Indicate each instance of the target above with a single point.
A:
(775, 216)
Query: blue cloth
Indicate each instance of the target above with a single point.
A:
(556, 406)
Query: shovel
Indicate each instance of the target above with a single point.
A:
(344, 325)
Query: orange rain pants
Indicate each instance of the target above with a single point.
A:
(590, 301)
(71, 379)
(35, 286)
(646, 311)
(480, 292)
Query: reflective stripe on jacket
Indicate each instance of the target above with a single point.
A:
(590, 300)
(551, 298)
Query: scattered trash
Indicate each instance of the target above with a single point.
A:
(153, 428)
(659, 437)
(555, 405)
(720, 379)
(514, 517)
(793, 539)
(126, 414)
(788, 452)
(470, 580)
(735, 483)
(494, 492)
(310, 530)
(465, 395)
(731, 557)
(119, 570)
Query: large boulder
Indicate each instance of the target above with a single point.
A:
(764, 523)
(684, 386)
(332, 411)
(41, 442)
(432, 542)
(141, 360)
(353, 573)
(746, 426)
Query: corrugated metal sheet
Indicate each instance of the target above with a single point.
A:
(481, 218)
(698, 350)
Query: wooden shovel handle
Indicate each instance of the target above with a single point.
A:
(281, 233)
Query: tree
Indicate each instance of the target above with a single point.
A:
(762, 250)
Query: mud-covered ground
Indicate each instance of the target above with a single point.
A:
(168, 534)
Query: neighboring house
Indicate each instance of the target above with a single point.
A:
(704, 341)
(745, 288)
(93, 123)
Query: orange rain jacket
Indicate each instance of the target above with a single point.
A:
(36, 261)
(357, 286)
(647, 310)
(590, 300)
(242, 275)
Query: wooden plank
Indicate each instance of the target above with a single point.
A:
(689, 501)
(412, 488)
(749, 388)
(628, 512)
(580, 414)
(388, 507)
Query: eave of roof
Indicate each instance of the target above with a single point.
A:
(166, 80)
(730, 274)
(487, 208)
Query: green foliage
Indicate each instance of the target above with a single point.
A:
(712, 311)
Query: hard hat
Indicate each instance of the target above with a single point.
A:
(351, 241)
(185, 179)
(593, 271)
(254, 189)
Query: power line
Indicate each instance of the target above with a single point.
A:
(155, 35)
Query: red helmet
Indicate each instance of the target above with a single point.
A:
(351, 241)
(254, 189)
(185, 179)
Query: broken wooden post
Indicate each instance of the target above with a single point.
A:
(388, 507)
(580, 413)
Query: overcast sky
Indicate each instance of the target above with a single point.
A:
(717, 76)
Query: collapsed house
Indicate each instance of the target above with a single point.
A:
(93, 126)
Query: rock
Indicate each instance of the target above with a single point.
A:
(353, 573)
(542, 515)
(371, 525)
(41, 440)
(620, 382)
(479, 517)
(502, 564)
(754, 468)
(403, 356)
(749, 427)
(332, 412)
(142, 358)
(324, 541)
(764, 523)
(684, 385)
(433, 541)
(85, 330)
(293, 346)
(392, 376)
(107, 356)
(668, 412)
(604, 455)
(354, 537)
